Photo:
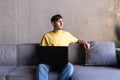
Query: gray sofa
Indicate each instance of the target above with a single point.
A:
(19, 62)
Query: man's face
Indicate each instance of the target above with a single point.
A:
(58, 24)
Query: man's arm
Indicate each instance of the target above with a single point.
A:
(44, 41)
(85, 43)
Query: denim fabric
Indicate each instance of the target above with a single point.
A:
(64, 74)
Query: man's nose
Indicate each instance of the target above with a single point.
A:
(61, 23)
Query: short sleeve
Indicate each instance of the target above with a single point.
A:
(44, 41)
(72, 39)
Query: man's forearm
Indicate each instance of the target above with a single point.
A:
(85, 43)
(81, 41)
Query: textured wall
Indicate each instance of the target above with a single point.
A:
(8, 21)
(25, 21)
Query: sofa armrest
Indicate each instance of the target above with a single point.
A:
(118, 55)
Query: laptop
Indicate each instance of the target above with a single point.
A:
(53, 55)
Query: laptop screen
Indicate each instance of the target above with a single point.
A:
(53, 55)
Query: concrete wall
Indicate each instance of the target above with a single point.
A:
(25, 21)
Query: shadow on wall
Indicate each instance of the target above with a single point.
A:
(117, 31)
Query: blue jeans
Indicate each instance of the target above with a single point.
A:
(43, 69)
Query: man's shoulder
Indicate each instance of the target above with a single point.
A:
(48, 33)
(66, 31)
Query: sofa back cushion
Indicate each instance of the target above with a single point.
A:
(8, 55)
(76, 54)
(27, 54)
(101, 54)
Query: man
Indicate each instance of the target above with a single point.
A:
(58, 37)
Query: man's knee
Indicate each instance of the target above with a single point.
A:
(43, 67)
(70, 67)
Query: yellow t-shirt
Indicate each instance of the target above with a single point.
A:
(59, 38)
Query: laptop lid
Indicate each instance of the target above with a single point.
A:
(53, 55)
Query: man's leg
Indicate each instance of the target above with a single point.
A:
(42, 72)
(67, 72)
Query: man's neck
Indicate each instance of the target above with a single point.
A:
(56, 30)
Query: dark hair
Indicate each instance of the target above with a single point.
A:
(56, 17)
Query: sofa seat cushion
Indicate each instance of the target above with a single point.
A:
(53, 76)
(96, 73)
(5, 70)
(22, 73)
(2, 78)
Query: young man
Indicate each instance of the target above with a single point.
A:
(58, 37)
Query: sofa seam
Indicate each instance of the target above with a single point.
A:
(17, 52)
(10, 72)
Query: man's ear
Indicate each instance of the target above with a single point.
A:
(53, 23)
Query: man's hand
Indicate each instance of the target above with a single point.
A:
(85, 43)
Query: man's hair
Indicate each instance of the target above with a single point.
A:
(56, 17)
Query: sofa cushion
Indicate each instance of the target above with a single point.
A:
(101, 53)
(96, 73)
(22, 73)
(76, 54)
(2, 78)
(53, 76)
(8, 55)
(27, 54)
(5, 70)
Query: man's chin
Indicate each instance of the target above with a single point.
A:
(60, 28)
